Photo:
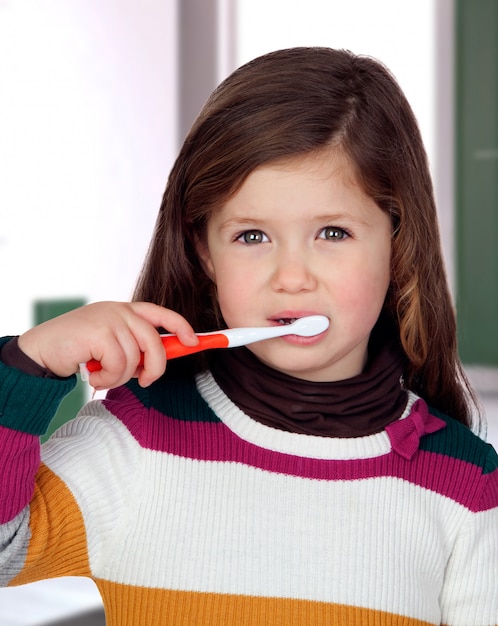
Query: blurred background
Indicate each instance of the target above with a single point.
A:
(96, 97)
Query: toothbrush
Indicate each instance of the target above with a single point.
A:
(230, 338)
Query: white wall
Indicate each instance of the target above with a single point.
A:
(88, 130)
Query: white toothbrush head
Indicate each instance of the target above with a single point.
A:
(308, 326)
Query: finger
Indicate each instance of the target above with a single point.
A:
(153, 355)
(118, 363)
(170, 320)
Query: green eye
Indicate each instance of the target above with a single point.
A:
(333, 233)
(252, 236)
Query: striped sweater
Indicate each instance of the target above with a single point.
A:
(184, 510)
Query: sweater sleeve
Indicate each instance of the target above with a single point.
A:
(470, 593)
(27, 405)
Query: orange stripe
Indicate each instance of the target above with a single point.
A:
(58, 539)
(139, 606)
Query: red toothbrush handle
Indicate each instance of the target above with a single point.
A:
(175, 348)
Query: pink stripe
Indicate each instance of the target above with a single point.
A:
(490, 497)
(213, 441)
(19, 463)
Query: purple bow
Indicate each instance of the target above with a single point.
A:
(405, 433)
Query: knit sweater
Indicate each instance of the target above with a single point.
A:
(184, 510)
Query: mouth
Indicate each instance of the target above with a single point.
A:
(307, 328)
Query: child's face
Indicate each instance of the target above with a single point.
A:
(301, 238)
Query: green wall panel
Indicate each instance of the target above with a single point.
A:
(44, 310)
(477, 179)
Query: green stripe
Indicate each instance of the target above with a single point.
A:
(177, 398)
(459, 442)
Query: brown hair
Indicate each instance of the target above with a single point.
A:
(290, 103)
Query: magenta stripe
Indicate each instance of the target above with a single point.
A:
(19, 463)
(213, 441)
(490, 497)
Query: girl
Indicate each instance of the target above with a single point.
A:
(326, 480)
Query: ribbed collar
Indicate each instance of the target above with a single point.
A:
(356, 407)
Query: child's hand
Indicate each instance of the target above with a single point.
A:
(114, 333)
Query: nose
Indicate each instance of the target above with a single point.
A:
(293, 273)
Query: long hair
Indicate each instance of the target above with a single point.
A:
(291, 103)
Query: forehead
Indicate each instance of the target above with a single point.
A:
(309, 181)
(321, 163)
(316, 166)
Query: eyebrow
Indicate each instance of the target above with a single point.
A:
(327, 218)
(339, 217)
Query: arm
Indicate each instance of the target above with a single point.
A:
(27, 405)
(116, 334)
(470, 594)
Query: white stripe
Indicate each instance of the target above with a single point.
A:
(229, 528)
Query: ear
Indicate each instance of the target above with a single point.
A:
(202, 250)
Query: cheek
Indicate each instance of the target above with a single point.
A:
(237, 292)
(366, 289)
